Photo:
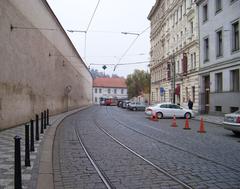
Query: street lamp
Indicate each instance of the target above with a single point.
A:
(127, 33)
(130, 33)
(85, 41)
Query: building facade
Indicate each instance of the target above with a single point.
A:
(109, 88)
(174, 52)
(219, 25)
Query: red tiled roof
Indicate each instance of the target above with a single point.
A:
(110, 82)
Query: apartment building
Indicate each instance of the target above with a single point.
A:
(109, 88)
(174, 52)
(219, 55)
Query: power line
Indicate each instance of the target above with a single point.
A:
(92, 16)
(130, 46)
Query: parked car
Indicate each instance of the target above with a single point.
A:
(136, 106)
(168, 110)
(125, 104)
(232, 122)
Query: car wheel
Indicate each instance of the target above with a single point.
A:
(236, 133)
(159, 115)
(188, 115)
(134, 109)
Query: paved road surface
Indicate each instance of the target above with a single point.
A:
(126, 150)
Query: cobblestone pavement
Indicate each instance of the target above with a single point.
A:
(208, 160)
(29, 174)
(7, 159)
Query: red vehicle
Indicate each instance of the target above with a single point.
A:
(110, 102)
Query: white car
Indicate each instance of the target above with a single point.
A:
(232, 122)
(168, 110)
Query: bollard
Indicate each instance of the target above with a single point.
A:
(32, 136)
(45, 119)
(27, 153)
(48, 117)
(17, 163)
(42, 131)
(37, 127)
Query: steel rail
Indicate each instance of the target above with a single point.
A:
(141, 157)
(101, 175)
(171, 145)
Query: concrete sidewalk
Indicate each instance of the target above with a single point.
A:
(39, 175)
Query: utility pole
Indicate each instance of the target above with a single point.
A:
(173, 80)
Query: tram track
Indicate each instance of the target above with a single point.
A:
(168, 144)
(100, 172)
(104, 176)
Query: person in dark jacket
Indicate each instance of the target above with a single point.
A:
(190, 104)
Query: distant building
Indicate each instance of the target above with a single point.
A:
(109, 88)
(219, 25)
(174, 52)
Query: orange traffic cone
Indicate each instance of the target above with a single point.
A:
(174, 123)
(187, 125)
(154, 116)
(201, 128)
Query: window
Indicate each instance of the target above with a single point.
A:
(218, 5)
(233, 109)
(206, 50)
(205, 12)
(121, 91)
(218, 108)
(191, 61)
(178, 69)
(186, 91)
(218, 82)
(235, 36)
(191, 27)
(193, 93)
(219, 43)
(109, 90)
(180, 10)
(95, 99)
(185, 6)
(95, 90)
(115, 91)
(100, 90)
(173, 106)
(234, 80)
(195, 60)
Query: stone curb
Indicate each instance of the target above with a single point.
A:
(45, 171)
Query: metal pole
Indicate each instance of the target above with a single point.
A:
(27, 153)
(173, 64)
(17, 163)
(48, 117)
(42, 131)
(37, 127)
(32, 136)
(45, 119)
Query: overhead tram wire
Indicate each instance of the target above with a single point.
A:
(92, 16)
(130, 46)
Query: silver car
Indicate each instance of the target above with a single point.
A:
(168, 110)
(232, 122)
(136, 106)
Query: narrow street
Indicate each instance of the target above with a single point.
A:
(110, 147)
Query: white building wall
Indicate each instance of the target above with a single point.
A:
(230, 12)
(104, 93)
(224, 64)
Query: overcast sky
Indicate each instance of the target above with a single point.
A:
(105, 43)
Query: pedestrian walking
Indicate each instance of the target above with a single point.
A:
(190, 104)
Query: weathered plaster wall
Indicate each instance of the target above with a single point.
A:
(37, 65)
